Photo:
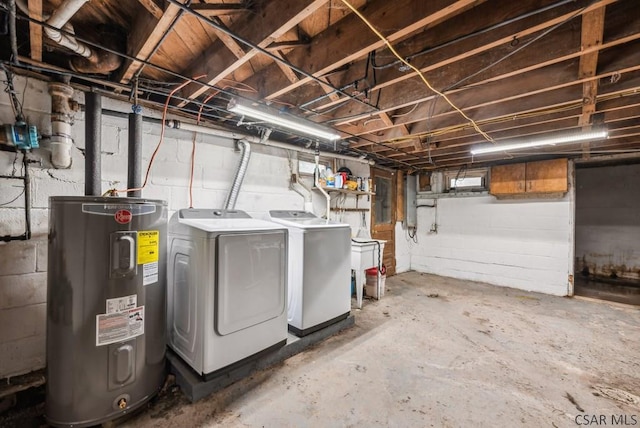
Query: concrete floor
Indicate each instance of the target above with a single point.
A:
(445, 353)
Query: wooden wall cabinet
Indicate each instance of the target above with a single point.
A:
(542, 177)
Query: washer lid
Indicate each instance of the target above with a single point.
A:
(230, 224)
(302, 220)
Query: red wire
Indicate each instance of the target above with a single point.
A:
(193, 150)
(155, 152)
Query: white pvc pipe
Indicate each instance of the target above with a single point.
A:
(175, 124)
(61, 141)
(297, 186)
(319, 187)
(59, 19)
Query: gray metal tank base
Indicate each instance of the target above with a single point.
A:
(195, 388)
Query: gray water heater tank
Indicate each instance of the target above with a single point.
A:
(106, 307)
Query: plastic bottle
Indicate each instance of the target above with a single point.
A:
(330, 177)
(338, 181)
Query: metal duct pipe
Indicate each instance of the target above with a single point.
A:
(134, 168)
(93, 144)
(245, 148)
(232, 196)
(61, 112)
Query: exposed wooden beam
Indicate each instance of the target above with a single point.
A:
(409, 93)
(349, 39)
(265, 26)
(150, 31)
(404, 130)
(218, 9)
(464, 54)
(278, 46)
(293, 77)
(331, 94)
(592, 34)
(553, 100)
(35, 30)
(236, 49)
(152, 7)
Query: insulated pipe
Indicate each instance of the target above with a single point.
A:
(134, 168)
(176, 124)
(61, 112)
(93, 144)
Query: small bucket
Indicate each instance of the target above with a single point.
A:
(371, 287)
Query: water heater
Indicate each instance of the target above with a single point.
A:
(106, 307)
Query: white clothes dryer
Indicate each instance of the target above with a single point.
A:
(227, 288)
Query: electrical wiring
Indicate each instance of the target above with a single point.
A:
(247, 88)
(177, 75)
(413, 236)
(12, 200)
(160, 141)
(422, 77)
(64, 72)
(497, 120)
(193, 161)
(193, 150)
(474, 34)
(515, 51)
(9, 89)
(415, 106)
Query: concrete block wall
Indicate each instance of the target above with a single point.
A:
(608, 221)
(23, 265)
(525, 244)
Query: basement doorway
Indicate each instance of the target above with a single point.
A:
(607, 232)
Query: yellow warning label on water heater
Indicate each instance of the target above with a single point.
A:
(148, 246)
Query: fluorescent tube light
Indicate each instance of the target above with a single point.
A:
(548, 141)
(277, 118)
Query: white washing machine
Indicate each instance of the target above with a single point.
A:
(319, 270)
(227, 288)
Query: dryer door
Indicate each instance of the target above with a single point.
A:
(251, 279)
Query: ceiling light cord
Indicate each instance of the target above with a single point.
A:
(416, 70)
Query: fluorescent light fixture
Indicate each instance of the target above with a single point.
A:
(280, 119)
(546, 141)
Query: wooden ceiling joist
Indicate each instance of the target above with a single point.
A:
(467, 59)
(592, 35)
(149, 32)
(35, 30)
(152, 8)
(218, 9)
(262, 28)
(349, 39)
